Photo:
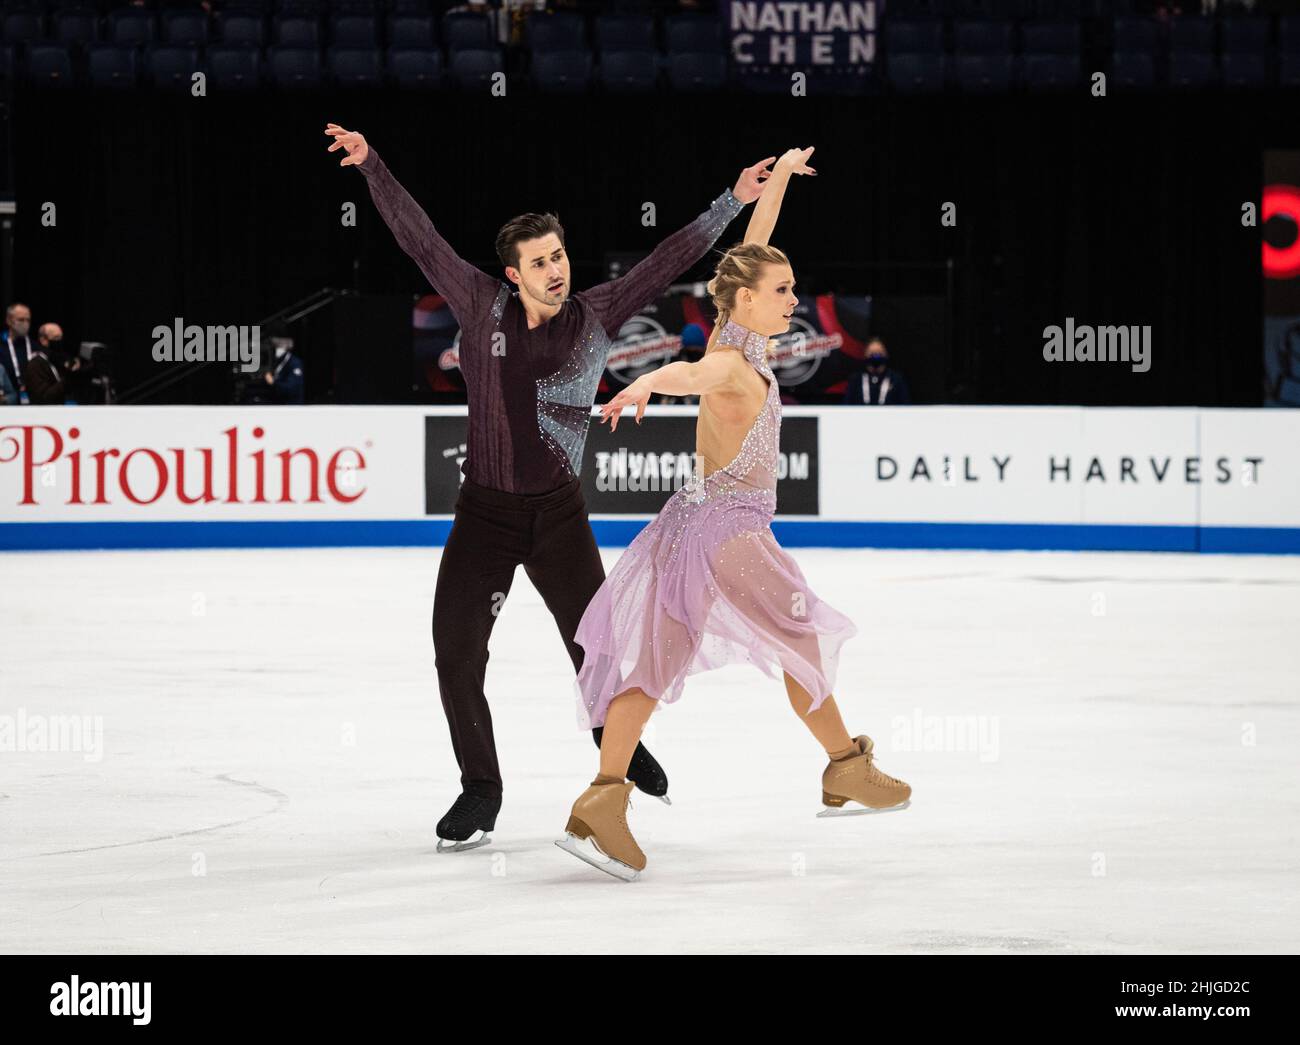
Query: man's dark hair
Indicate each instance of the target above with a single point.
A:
(525, 226)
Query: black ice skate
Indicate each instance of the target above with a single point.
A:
(468, 822)
(643, 771)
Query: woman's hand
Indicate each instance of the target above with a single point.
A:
(636, 394)
(796, 160)
(356, 145)
(763, 220)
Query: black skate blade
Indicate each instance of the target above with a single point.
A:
(859, 810)
(650, 794)
(472, 842)
(570, 843)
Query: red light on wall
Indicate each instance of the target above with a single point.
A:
(1281, 262)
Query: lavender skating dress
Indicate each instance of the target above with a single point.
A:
(705, 584)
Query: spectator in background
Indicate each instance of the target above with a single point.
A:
(8, 394)
(878, 385)
(16, 348)
(43, 374)
(50, 340)
(285, 376)
(694, 342)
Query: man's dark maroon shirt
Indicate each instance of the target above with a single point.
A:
(531, 391)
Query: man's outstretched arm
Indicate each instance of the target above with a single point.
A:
(619, 299)
(466, 288)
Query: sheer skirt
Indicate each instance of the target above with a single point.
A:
(704, 585)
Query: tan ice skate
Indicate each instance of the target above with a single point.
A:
(598, 831)
(858, 780)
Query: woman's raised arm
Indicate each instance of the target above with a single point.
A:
(763, 220)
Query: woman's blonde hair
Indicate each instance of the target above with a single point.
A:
(741, 266)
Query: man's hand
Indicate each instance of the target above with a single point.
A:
(749, 186)
(356, 145)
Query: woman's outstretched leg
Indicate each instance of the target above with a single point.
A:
(851, 775)
(825, 723)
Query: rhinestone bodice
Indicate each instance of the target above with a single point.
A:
(753, 470)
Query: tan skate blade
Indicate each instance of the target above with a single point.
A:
(839, 808)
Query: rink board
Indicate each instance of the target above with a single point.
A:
(1037, 478)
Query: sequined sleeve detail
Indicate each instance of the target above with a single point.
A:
(564, 398)
(618, 300)
(464, 286)
(499, 305)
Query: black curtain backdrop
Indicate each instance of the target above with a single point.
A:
(1120, 210)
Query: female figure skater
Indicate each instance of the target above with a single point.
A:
(705, 583)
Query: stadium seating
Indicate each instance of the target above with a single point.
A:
(924, 46)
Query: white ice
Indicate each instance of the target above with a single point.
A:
(274, 758)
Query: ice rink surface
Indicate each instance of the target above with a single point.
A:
(1102, 747)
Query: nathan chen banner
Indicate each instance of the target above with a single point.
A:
(833, 41)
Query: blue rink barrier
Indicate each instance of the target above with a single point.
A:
(614, 533)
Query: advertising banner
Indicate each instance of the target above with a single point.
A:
(981, 477)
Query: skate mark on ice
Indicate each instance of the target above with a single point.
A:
(133, 874)
(281, 800)
(1062, 579)
(1162, 580)
(967, 940)
(979, 575)
(1153, 700)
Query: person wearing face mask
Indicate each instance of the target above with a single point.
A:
(879, 384)
(16, 349)
(43, 374)
(285, 375)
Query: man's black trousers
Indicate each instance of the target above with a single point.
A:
(492, 533)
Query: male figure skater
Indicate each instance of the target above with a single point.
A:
(532, 360)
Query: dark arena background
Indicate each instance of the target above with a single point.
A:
(1038, 444)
